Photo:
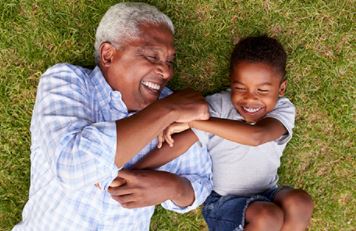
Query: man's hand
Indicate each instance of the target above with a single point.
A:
(166, 135)
(148, 187)
(189, 105)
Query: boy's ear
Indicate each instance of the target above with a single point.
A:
(107, 52)
(282, 88)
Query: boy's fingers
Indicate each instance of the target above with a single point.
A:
(160, 140)
(169, 139)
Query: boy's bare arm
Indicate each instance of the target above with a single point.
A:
(265, 130)
(160, 156)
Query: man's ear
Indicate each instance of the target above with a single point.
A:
(107, 52)
(282, 88)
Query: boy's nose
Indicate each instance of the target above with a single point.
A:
(250, 96)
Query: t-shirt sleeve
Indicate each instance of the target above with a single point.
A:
(285, 112)
(215, 108)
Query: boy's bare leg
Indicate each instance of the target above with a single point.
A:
(262, 215)
(297, 206)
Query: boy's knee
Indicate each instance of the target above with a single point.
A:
(268, 216)
(299, 203)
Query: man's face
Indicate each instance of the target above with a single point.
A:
(255, 88)
(142, 68)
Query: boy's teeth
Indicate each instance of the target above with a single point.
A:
(251, 109)
(151, 85)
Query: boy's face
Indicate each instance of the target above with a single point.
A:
(255, 88)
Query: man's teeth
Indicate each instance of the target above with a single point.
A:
(151, 85)
(252, 109)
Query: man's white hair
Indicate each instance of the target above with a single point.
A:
(120, 23)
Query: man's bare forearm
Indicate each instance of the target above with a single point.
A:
(136, 131)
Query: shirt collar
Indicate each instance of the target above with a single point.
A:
(106, 96)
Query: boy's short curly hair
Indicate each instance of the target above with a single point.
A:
(262, 49)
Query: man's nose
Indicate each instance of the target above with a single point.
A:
(164, 70)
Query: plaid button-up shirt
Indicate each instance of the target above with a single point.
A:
(73, 133)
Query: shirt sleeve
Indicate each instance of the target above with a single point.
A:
(80, 151)
(194, 165)
(284, 111)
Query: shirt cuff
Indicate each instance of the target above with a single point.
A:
(200, 194)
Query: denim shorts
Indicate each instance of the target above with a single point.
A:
(227, 213)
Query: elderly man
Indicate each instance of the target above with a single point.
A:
(88, 124)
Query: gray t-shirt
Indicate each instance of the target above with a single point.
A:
(240, 169)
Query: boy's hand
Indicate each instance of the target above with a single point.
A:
(166, 135)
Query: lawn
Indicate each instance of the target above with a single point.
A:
(319, 37)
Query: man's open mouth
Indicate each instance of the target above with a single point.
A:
(152, 86)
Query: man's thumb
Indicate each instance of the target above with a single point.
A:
(117, 182)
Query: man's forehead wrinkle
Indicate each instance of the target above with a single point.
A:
(150, 47)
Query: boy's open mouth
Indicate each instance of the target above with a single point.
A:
(252, 109)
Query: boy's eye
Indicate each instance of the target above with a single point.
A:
(263, 91)
(240, 88)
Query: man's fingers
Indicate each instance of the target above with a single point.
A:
(190, 105)
(131, 205)
(125, 198)
(205, 116)
(120, 191)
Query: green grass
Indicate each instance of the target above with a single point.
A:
(319, 37)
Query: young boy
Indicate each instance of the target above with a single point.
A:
(249, 128)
